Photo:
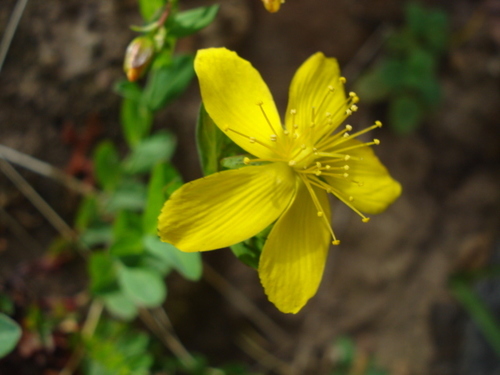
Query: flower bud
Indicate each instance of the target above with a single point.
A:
(138, 56)
(273, 5)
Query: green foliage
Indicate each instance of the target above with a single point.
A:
(136, 120)
(213, 145)
(167, 81)
(10, 333)
(115, 349)
(150, 8)
(407, 75)
(192, 21)
(150, 151)
(106, 165)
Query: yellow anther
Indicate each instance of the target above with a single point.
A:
(342, 80)
(246, 160)
(274, 137)
(376, 141)
(378, 123)
(226, 129)
(320, 213)
(352, 94)
(345, 175)
(351, 198)
(295, 136)
(348, 112)
(365, 219)
(295, 126)
(286, 132)
(291, 163)
(347, 157)
(251, 139)
(331, 88)
(293, 111)
(345, 135)
(346, 167)
(318, 164)
(336, 242)
(317, 173)
(260, 103)
(328, 114)
(327, 166)
(348, 128)
(354, 107)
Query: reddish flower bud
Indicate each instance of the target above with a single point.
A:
(139, 54)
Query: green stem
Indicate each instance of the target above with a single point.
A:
(478, 310)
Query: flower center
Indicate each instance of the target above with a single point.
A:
(319, 155)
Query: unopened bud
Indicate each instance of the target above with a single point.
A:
(273, 5)
(138, 56)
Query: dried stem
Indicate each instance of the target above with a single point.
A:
(10, 30)
(53, 217)
(243, 304)
(44, 169)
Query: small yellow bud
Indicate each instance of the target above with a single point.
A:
(139, 54)
(273, 6)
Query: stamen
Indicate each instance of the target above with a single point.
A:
(333, 191)
(319, 208)
(260, 104)
(254, 140)
(377, 124)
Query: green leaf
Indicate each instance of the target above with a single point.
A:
(107, 165)
(10, 333)
(144, 286)
(130, 195)
(158, 147)
(191, 21)
(164, 175)
(167, 82)
(405, 114)
(150, 8)
(419, 68)
(88, 212)
(126, 246)
(102, 271)
(129, 90)
(392, 73)
(96, 235)
(127, 224)
(213, 145)
(136, 120)
(437, 32)
(188, 264)
(249, 250)
(119, 305)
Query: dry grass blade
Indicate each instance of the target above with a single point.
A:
(10, 30)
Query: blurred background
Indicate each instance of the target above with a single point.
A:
(415, 291)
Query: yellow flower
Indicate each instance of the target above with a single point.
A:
(304, 160)
(273, 6)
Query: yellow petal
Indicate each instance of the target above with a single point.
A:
(227, 207)
(316, 88)
(232, 89)
(292, 261)
(369, 185)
